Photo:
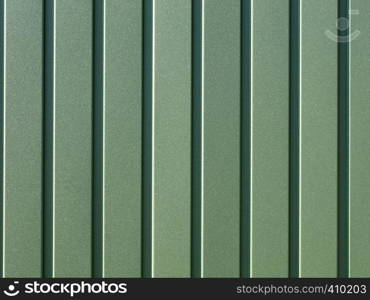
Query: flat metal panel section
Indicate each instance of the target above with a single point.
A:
(22, 138)
(269, 139)
(171, 103)
(220, 138)
(318, 190)
(122, 110)
(70, 190)
(359, 140)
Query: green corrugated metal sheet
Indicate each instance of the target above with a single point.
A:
(22, 103)
(359, 146)
(69, 137)
(318, 140)
(118, 106)
(269, 158)
(184, 138)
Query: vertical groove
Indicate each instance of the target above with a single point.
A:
(147, 249)
(196, 230)
(48, 128)
(294, 168)
(2, 135)
(343, 141)
(98, 143)
(245, 184)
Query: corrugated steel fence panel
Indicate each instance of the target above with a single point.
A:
(118, 106)
(22, 103)
(359, 146)
(318, 140)
(69, 137)
(220, 141)
(185, 138)
(269, 141)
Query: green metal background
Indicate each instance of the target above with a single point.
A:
(185, 138)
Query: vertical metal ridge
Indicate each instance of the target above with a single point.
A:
(294, 167)
(148, 126)
(197, 145)
(98, 139)
(2, 133)
(246, 117)
(343, 141)
(49, 128)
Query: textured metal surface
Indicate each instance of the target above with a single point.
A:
(318, 224)
(22, 138)
(118, 108)
(269, 139)
(359, 143)
(220, 138)
(171, 138)
(69, 105)
(178, 138)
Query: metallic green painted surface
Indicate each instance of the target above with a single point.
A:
(89, 162)
(343, 140)
(22, 138)
(221, 138)
(122, 138)
(72, 188)
(270, 139)
(318, 225)
(171, 203)
(359, 141)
